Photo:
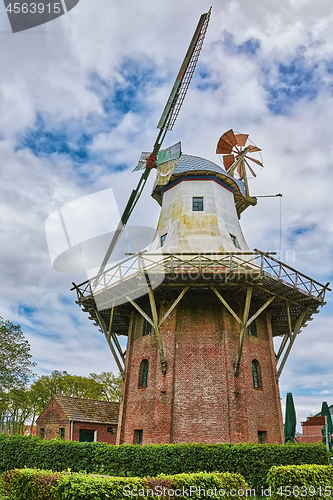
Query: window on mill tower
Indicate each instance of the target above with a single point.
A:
(143, 373)
(197, 204)
(235, 241)
(256, 375)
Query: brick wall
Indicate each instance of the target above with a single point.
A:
(311, 430)
(200, 399)
(102, 435)
(51, 420)
(310, 439)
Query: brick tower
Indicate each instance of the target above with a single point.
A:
(200, 311)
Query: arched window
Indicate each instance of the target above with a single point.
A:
(256, 373)
(143, 373)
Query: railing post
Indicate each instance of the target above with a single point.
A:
(262, 264)
(280, 271)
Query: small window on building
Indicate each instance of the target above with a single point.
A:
(138, 435)
(252, 329)
(111, 429)
(235, 241)
(197, 204)
(256, 374)
(62, 432)
(163, 238)
(262, 437)
(147, 328)
(42, 433)
(143, 373)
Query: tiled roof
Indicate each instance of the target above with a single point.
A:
(189, 163)
(88, 410)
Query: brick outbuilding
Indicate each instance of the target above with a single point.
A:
(76, 419)
(312, 428)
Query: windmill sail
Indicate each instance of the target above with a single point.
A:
(185, 74)
(166, 123)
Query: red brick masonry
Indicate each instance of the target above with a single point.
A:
(200, 399)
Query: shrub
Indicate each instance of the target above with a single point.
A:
(251, 460)
(304, 481)
(32, 484)
(56, 455)
(24, 484)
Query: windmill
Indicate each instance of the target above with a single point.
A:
(237, 152)
(200, 362)
(166, 122)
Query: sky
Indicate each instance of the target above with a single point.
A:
(80, 98)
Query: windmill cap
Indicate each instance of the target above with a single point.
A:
(194, 165)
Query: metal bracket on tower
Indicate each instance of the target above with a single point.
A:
(287, 335)
(246, 322)
(154, 322)
(300, 321)
(157, 328)
(169, 311)
(108, 335)
(244, 328)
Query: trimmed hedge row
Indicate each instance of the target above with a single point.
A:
(251, 460)
(305, 481)
(32, 484)
(21, 484)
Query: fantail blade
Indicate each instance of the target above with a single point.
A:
(230, 137)
(252, 172)
(228, 161)
(254, 160)
(241, 139)
(223, 147)
(252, 149)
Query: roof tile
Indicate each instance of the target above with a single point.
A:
(88, 410)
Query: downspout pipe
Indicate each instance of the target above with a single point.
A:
(72, 430)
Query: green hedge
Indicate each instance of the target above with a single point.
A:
(56, 455)
(251, 460)
(303, 481)
(32, 484)
(23, 484)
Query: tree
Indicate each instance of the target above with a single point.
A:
(15, 358)
(110, 385)
(63, 384)
(103, 387)
(20, 407)
(25, 402)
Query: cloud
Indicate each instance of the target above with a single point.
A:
(80, 99)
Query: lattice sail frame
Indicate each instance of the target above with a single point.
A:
(185, 74)
(166, 123)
